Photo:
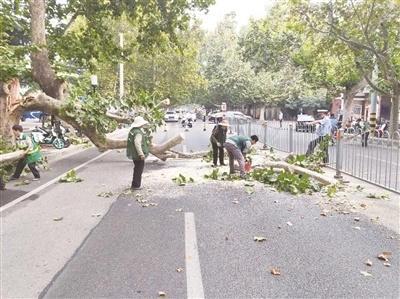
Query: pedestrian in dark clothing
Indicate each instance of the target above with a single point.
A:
(218, 138)
(365, 127)
(137, 150)
(32, 153)
(237, 147)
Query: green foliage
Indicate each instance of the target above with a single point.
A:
(208, 157)
(181, 180)
(88, 109)
(70, 177)
(6, 147)
(214, 175)
(217, 176)
(229, 79)
(285, 181)
(312, 162)
(332, 190)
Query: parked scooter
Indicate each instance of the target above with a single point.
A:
(56, 136)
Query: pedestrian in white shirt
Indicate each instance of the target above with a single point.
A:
(324, 129)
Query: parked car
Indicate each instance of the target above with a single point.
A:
(230, 115)
(304, 123)
(171, 116)
(32, 115)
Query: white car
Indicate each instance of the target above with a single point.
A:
(229, 115)
(171, 116)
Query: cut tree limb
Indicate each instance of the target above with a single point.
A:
(301, 170)
(11, 157)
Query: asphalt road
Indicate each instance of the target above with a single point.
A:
(17, 188)
(134, 251)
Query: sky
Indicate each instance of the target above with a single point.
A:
(244, 9)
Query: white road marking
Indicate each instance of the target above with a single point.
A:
(40, 188)
(193, 270)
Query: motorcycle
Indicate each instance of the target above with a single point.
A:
(188, 124)
(55, 136)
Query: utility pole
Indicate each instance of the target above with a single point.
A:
(374, 96)
(121, 69)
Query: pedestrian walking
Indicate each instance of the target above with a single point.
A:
(32, 155)
(280, 117)
(237, 147)
(324, 129)
(365, 127)
(138, 147)
(218, 138)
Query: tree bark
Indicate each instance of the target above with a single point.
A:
(394, 116)
(42, 71)
(349, 95)
(10, 110)
(43, 102)
(301, 170)
(262, 112)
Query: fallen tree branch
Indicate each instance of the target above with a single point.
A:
(118, 118)
(300, 170)
(194, 155)
(11, 157)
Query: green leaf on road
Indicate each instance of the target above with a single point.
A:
(181, 180)
(365, 273)
(249, 190)
(70, 177)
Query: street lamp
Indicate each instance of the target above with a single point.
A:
(94, 82)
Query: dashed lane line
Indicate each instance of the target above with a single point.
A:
(193, 271)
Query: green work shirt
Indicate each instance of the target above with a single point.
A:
(131, 151)
(240, 141)
(26, 142)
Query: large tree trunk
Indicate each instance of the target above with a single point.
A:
(349, 95)
(42, 71)
(262, 112)
(394, 116)
(10, 110)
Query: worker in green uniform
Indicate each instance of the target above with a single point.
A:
(138, 148)
(32, 153)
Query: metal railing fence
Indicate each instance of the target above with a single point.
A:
(372, 156)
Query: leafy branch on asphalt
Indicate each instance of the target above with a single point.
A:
(286, 181)
(70, 177)
(217, 176)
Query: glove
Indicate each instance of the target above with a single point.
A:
(219, 144)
